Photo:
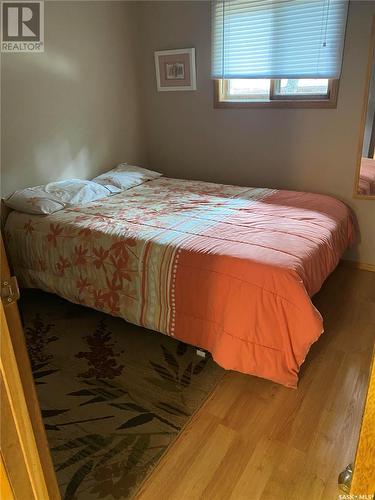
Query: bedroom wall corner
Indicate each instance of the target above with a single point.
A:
(74, 110)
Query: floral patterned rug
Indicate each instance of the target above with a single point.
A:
(113, 395)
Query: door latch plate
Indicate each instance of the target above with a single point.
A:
(9, 290)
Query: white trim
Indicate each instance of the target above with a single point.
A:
(193, 75)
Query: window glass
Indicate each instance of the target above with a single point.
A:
(256, 88)
(302, 86)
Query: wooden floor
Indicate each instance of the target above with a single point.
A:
(254, 439)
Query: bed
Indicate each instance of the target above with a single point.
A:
(367, 177)
(228, 269)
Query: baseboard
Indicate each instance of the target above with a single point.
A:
(358, 265)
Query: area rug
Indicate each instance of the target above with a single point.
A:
(113, 396)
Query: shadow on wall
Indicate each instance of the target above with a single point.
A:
(71, 161)
(57, 65)
(74, 109)
(57, 157)
(56, 126)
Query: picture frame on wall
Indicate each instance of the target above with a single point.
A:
(175, 70)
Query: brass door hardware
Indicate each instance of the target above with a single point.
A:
(9, 291)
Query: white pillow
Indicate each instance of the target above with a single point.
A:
(76, 191)
(125, 176)
(56, 196)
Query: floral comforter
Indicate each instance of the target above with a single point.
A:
(229, 269)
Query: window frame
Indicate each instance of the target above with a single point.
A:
(278, 101)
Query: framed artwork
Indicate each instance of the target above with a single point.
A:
(175, 70)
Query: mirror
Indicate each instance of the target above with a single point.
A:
(365, 175)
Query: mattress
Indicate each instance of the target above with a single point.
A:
(226, 268)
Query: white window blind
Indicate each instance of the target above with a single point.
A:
(278, 38)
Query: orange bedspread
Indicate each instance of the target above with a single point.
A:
(229, 269)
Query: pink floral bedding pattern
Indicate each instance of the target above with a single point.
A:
(95, 255)
(134, 255)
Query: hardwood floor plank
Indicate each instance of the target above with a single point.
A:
(212, 452)
(285, 476)
(230, 470)
(258, 470)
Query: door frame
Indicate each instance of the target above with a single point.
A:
(12, 326)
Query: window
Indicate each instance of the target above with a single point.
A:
(272, 52)
(300, 92)
(301, 87)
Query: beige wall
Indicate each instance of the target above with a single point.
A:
(306, 149)
(73, 110)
